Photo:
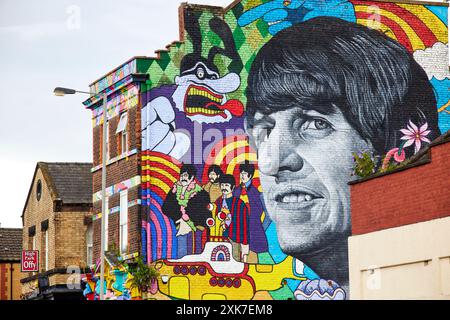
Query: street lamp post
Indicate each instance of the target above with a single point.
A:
(61, 92)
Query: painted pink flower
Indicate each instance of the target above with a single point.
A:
(415, 135)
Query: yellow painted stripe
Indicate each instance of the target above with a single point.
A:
(429, 19)
(239, 159)
(164, 173)
(229, 147)
(416, 43)
(160, 184)
(165, 162)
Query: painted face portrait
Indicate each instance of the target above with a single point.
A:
(185, 179)
(318, 92)
(226, 189)
(245, 177)
(305, 164)
(213, 177)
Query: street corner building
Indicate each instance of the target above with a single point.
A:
(230, 152)
(56, 223)
(10, 253)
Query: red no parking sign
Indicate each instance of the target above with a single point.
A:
(30, 260)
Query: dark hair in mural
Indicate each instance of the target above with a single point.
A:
(190, 169)
(228, 178)
(216, 169)
(218, 26)
(247, 167)
(328, 62)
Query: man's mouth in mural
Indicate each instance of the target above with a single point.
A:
(200, 100)
(295, 198)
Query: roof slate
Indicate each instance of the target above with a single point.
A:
(72, 181)
(10, 244)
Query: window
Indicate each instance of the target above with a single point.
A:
(107, 141)
(89, 245)
(38, 190)
(44, 244)
(122, 134)
(123, 142)
(32, 238)
(101, 142)
(106, 224)
(123, 230)
(46, 250)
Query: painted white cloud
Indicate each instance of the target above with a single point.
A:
(434, 61)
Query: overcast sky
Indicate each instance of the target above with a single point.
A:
(43, 44)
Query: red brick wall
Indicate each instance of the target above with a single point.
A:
(117, 172)
(414, 195)
(134, 224)
(133, 136)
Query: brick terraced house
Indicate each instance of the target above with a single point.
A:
(10, 251)
(56, 222)
(123, 88)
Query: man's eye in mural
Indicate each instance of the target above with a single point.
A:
(311, 128)
(282, 14)
(201, 92)
(318, 124)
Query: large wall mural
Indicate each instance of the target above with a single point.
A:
(248, 130)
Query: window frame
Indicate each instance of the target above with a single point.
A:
(107, 141)
(105, 248)
(46, 249)
(123, 221)
(122, 134)
(89, 244)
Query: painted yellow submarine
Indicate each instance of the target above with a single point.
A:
(215, 274)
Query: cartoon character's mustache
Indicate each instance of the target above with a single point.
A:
(225, 190)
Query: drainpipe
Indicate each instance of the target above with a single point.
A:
(11, 281)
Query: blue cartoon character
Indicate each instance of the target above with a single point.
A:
(282, 14)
